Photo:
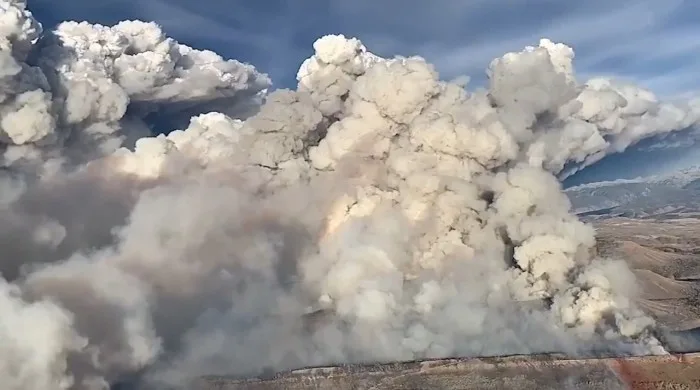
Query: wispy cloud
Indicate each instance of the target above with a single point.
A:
(637, 40)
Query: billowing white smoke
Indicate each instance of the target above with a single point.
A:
(562, 122)
(375, 213)
(82, 91)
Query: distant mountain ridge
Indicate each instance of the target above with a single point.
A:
(661, 196)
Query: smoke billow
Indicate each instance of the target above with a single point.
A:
(374, 213)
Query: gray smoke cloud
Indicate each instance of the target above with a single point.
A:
(374, 213)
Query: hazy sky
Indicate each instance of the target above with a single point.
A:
(655, 43)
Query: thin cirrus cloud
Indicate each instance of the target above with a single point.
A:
(648, 42)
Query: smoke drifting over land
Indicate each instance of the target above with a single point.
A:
(410, 217)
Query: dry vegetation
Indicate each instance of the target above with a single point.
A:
(665, 255)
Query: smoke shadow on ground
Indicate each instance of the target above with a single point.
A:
(685, 341)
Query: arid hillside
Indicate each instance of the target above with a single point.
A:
(665, 256)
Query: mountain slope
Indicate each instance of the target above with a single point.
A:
(668, 196)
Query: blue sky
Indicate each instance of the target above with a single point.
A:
(655, 43)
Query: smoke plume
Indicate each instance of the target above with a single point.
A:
(375, 213)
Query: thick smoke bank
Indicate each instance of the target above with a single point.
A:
(375, 213)
(81, 91)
